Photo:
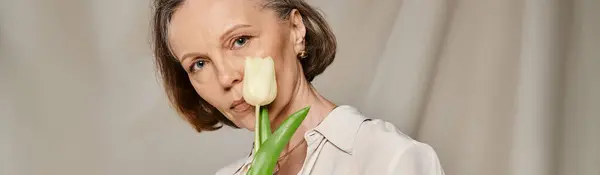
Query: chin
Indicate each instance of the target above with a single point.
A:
(245, 121)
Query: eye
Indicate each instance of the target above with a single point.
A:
(196, 66)
(240, 42)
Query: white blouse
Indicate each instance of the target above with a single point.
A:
(348, 143)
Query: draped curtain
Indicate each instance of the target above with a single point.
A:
(494, 86)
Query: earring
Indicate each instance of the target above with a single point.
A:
(302, 55)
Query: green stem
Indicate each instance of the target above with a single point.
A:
(265, 125)
(257, 140)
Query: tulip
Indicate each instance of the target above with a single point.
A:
(260, 86)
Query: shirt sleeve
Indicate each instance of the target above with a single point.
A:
(417, 159)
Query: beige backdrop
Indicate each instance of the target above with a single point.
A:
(495, 86)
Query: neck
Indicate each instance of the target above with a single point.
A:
(304, 95)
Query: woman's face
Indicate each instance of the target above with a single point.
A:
(211, 39)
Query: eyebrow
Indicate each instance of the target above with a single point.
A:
(222, 37)
(191, 54)
(231, 30)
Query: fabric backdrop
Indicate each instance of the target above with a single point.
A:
(495, 86)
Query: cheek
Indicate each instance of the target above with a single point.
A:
(209, 92)
(287, 72)
(216, 97)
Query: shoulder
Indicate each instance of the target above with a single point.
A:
(231, 168)
(380, 141)
(377, 136)
(383, 132)
(350, 130)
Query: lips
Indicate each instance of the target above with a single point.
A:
(240, 106)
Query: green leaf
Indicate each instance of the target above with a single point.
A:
(266, 157)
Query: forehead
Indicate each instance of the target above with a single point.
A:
(207, 11)
(208, 19)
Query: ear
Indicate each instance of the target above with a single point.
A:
(298, 30)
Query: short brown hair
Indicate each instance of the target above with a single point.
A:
(320, 49)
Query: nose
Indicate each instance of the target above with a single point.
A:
(228, 75)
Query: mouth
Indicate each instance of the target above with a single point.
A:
(239, 106)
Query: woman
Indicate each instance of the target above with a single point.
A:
(200, 47)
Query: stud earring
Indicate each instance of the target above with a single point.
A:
(302, 55)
